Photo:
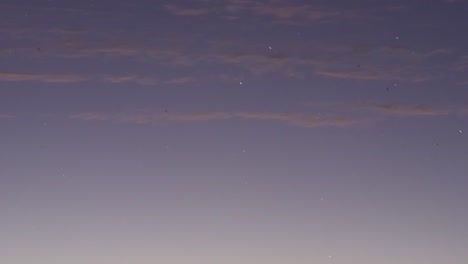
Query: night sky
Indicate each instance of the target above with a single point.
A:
(233, 132)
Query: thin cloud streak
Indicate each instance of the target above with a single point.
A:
(150, 118)
(406, 110)
(180, 80)
(280, 11)
(306, 120)
(141, 80)
(300, 120)
(49, 78)
(183, 11)
(331, 60)
(376, 110)
(371, 76)
(73, 78)
(44, 8)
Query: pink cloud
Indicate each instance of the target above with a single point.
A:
(145, 118)
(51, 78)
(407, 110)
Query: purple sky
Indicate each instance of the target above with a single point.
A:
(233, 131)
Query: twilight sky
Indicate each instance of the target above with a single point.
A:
(233, 132)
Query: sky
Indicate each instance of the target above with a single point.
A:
(233, 131)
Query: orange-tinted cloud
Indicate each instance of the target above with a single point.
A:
(41, 6)
(110, 50)
(283, 10)
(393, 63)
(388, 109)
(145, 118)
(278, 10)
(50, 78)
(407, 110)
(300, 120)
(157, 52)
(180, 80)
(184, 11)
(371, 75)
(378, 62)
(73, 78)
(340, 61)
(141, 80)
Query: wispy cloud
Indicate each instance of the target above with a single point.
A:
(145, 118)
(343, 61)
(356, 50)
(44, 7)
(49, 78)
(326, 58)
(180, 80)
(284, 10)
(392, 62)
(407, 110)
(70, 45)
(73, 78)
(110, 50)
(301, 120)
(271, 61)
(141, 80)
(184, 11)
(372, 75)
(293, 119)
(381, 111)
(277, 10)
(163, 53)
